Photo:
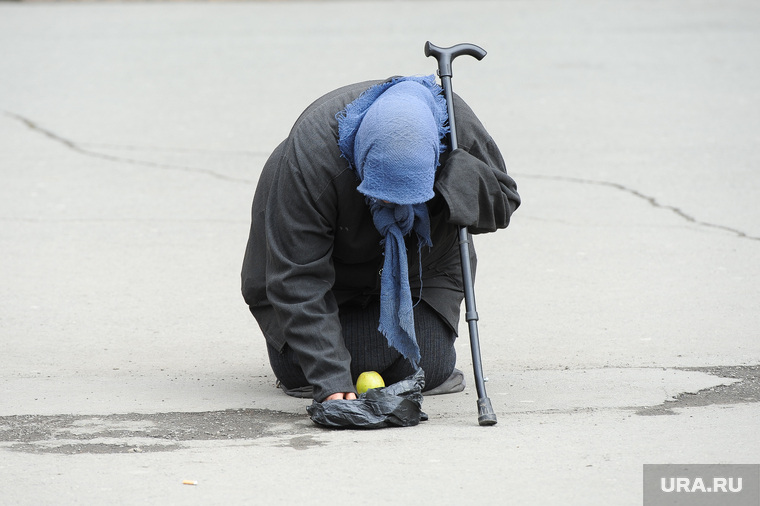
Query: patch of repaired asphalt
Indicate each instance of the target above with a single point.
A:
(157, 432)
(161, 432)
(747, 389)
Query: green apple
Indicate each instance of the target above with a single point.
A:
(368, 380)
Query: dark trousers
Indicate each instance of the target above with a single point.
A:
(370, 351)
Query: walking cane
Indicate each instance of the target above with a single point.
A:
(445, 56)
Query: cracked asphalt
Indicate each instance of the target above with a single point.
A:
(618, 313)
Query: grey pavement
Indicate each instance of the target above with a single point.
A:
(619, 311)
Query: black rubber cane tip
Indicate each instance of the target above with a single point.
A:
(486, 415)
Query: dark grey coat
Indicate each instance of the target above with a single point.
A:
(313, 245)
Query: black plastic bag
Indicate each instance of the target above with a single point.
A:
(397, 405)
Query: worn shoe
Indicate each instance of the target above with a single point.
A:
(300, 392)
(453, 384)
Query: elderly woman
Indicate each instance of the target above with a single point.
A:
(352, 262)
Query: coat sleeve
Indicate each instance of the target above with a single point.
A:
(473, 179)
(299, 229)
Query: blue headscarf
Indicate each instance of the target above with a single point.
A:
(392, 136)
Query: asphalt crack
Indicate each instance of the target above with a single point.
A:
(649, 199)
(80, 149)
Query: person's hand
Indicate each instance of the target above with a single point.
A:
(349, 396)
